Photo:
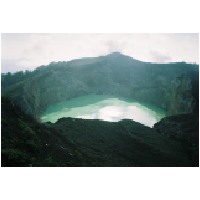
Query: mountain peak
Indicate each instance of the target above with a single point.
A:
(116, 53)
(119, 55)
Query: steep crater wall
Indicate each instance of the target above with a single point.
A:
(170, 86)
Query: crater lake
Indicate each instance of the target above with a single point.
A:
(106, 108)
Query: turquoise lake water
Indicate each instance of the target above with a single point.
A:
(106, 108)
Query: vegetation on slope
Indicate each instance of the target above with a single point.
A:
(78, 142)
(161, 84)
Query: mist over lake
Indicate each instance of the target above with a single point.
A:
(106, 108)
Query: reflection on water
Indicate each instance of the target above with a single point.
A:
(105, 108)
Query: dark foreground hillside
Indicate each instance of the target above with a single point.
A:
(78, 142)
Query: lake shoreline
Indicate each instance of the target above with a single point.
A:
(105, 108)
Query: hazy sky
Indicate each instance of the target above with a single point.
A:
(27, 51)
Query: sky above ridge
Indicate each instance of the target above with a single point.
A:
(25, 51)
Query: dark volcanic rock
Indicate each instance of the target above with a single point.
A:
(79, 142)
(183, 128)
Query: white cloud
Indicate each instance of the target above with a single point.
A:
(27, 51)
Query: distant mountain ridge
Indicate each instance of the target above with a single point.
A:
(173, 87)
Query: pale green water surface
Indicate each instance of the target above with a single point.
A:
(106, 108)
